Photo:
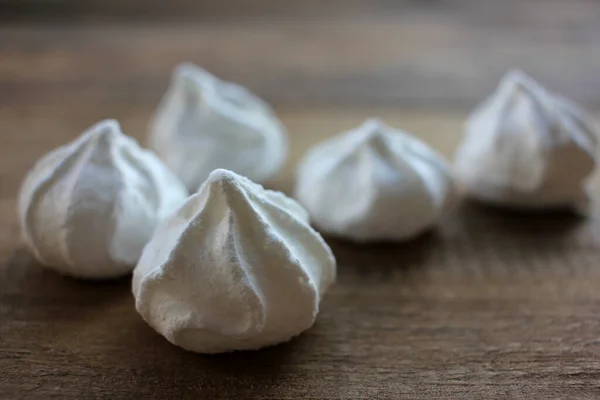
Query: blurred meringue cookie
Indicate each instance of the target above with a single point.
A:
(87, 208)
(236, 268)
(527, 147)
(204, 123)
(374, 183)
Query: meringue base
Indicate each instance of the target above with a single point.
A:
(186, 339)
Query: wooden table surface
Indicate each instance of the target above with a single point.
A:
(489, 305)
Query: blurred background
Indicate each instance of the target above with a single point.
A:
(425, 53)
(506, 306)
(324, 64)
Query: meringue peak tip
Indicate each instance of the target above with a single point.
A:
(373, 128)
(516, 74)
(372, 132)
(518, 78)
(222, 174)
(107, 129)
(374, 124)
(227, 180)
(186, 68)
(191, 72)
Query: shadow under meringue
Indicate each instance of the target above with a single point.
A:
(53, 314)
(497, 242)
(24, 275)
(238, 374)
(93, 324)
(382, 261)
(548, 223)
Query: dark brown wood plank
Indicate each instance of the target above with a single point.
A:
(425, 56)
(491, 11)
(491, 305)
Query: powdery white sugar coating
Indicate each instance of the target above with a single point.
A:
(204, 123)
(374, 183)
(527, 147)
(88, 208)
(236, 268)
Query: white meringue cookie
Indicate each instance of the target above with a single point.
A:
(236, 268)
(374, 183)
(87, 208)
(204, 123)
(527, 147)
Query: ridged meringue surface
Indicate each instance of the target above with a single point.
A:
(527, 147)
(87, 208)
(204, 123)
(236, 268)
(374, 183)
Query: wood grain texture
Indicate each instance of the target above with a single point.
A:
(491, 305)
(535, 11)
(445, 55)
